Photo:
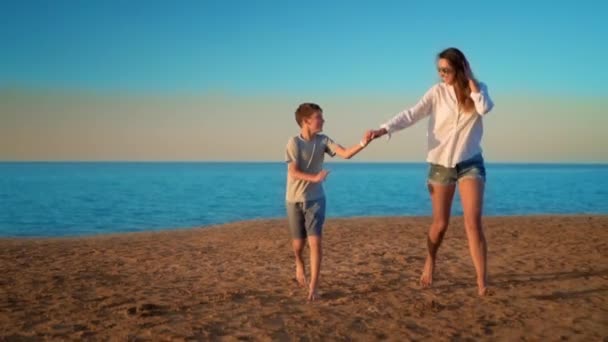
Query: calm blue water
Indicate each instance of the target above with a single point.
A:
(64, 199)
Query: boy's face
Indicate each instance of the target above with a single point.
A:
(315, 122)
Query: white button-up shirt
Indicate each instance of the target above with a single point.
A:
(452, 136)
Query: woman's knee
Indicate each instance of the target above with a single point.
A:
(437, 231)
(474, 229)
(472, 223)
(439, 226)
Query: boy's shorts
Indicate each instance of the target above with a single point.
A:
(306, 218)
(470, 168)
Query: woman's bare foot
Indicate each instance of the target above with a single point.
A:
(313, 295)
(300, 274)
(426, 279)
(485, 292)
(482, 288)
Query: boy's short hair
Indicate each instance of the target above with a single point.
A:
(306, 110)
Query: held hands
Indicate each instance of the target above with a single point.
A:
(375, 133)
(367, 138)
(371, 135)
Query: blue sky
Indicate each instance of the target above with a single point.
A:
(276, 46)
(292, 50)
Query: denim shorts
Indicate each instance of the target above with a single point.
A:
(306, 218)
(470, 168)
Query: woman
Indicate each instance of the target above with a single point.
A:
(455, 108)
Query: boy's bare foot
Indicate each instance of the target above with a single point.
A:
(300, 274)
(426, 279)
(313, 295)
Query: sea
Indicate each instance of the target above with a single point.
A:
(59, 199)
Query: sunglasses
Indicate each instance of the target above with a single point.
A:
(446, 71)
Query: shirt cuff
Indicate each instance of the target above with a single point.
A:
(388, 131)
(476, 96)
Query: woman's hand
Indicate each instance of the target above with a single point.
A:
(469, 75)
(467, 70)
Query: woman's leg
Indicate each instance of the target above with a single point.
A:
(471, 195)
(441, 200)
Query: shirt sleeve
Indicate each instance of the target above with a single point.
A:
(291, 151)
(482, 101)
(330, 146)
(410, 116)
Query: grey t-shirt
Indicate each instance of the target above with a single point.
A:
(308, 156)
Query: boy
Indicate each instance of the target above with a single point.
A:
(305, 199)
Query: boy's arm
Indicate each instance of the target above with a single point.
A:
(348, 153)
(296, 173)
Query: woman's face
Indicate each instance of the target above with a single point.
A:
(445, 70)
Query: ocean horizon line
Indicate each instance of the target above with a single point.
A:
(167, 161)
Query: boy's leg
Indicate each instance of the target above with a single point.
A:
(315, 217)
(298, 247)
(316, 254)
(296, 220)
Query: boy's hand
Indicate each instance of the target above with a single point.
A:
(320, 177)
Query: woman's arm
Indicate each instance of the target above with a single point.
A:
(479, 92)
(481, 99)
(408, 117)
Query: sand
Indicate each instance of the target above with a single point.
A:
(236, 282)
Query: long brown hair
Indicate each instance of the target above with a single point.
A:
(458, 61)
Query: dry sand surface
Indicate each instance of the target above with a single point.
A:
(236, 282)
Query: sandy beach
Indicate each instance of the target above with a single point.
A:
(236, 282)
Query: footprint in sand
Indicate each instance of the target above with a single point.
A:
(147, 310)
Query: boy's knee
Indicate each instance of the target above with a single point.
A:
(314, 241)
(298, 244)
